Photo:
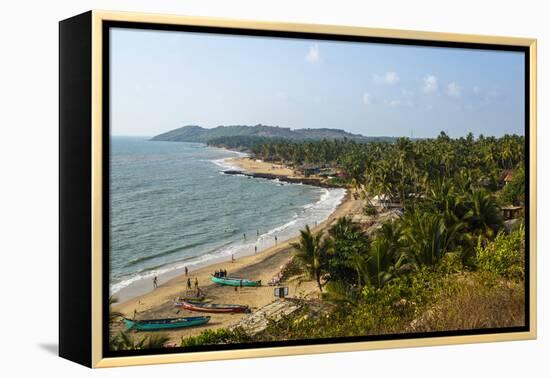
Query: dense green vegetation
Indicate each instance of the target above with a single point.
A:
(447, 262)
(218, 336)
(244, 142)
(256, 143)
(408, 169)
(199, 134)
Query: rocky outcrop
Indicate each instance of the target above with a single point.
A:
(293, 180)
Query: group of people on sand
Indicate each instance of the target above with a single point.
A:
(189, 287)
(220, 273)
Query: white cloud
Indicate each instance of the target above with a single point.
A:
(454, 90)
(367, 98)
(389, 78)
(393, 102)
(430, 84)
(313, 55)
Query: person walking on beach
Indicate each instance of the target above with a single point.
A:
(275, 239)
(232, 258)
(188, 283)
(244, 236)
(186, 271)
(255, 249)
(196, 283)
(257, 233)
(155, 282)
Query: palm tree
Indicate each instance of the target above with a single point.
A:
(347, 253)
(311, 251)
(358, 262)
(343, 229)
(485, 218)
(380, 264)
(427, 237)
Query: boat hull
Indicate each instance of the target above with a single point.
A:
(170, 323)
(235, 281)
(213, 308)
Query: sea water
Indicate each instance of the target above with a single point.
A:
(171, 206)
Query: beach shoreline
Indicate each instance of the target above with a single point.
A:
(263, 265)
(159, 303)
(261, 167)
(141, 285)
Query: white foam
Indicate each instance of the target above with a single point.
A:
(225, 165)
(311, 215)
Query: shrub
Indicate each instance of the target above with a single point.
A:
(218, 336)
(291, 269)
(473, 301)
(127, 341)
(505, 256)
(514, 192)
(369, 210)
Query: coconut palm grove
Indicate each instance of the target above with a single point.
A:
(450, 260)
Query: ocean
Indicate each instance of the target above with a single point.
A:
(172, 207)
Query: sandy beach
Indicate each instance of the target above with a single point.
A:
(264, 265)
(258, 166)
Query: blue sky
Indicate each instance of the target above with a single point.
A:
(163, 80)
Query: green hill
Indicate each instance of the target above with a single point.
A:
(199, 134)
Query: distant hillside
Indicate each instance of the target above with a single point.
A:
(202, 135)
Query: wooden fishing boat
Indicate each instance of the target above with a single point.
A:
(229, 281)
(169, 323)
(212, 307)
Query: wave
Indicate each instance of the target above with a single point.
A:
(163, 253)
(222, 163)
(311, 214)
(158, 270)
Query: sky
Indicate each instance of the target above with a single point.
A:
(162, 80)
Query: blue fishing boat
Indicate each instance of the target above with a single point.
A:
(169, 323)
(231, 281)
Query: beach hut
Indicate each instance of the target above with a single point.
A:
(511, 212)
(307, 170)
(507, 176)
